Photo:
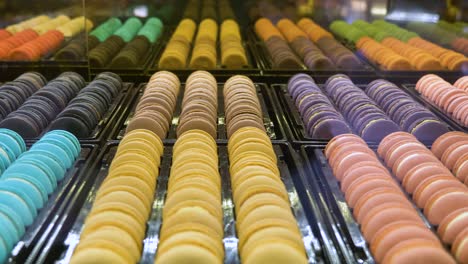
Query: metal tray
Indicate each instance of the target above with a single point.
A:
(270, 119)
(37, 234)
(63, 240)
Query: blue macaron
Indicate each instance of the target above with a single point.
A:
(18, 201)
(30, 190)
(48, 161)
(56, 151)
(31, 169)
(66, 136)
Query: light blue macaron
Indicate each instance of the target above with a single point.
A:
(17, 221)
(37, 185)
(29, 188)
(69, 149)
(9, 151)
(5, 157)
(49, 161)
(42, 165)
(33, 170)
(72, 138)
(8, 230)
(56, 151)
(18, 201)
(16, 136)
(4, 252)
(11, 143)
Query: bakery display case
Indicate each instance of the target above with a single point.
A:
(258, 131)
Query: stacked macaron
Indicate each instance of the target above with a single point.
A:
(281, 54)
(51, 24)
(103, 53)
(14, 94)
(204, 50)
(364, 115)
(442, 196)
(177, 50)
(75, 26)
(38, 47)
(320, 117)
(16, 28)
(266, 226)
(8, 44)
(156, 106)
(200, 104)
(462, 83)
(232, 51)
(447, 58)
(86, 110)
(115, 227)
(75, 50)
(241, 105)
(388, 221)
(311, 55)
(333, 49)
(452, 149)
(192, 222)
(27, 45)
(346, 31)
(313, 30)
(394, 30)
(32, 117)
(132, 54)
(31, 178)
(433, 32)
(452, 100)
(103, 31)
(410, 115)
(11, 147)
(418, 58)
(382, 55)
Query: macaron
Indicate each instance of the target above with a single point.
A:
(120, 207)
(418, 250)
(43, 106)
(262, 205)
(459, 246)
(365, 116)
(445, 96)
(241, 104)
(155, 108)
(178, 48)
(233, 53)
(199, 92)
(204, 53)
(86, 110)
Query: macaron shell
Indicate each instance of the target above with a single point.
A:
(452, 225)
(459, 248)
(445, 201)
(411, 251)
(392, 234)
(389, 214)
